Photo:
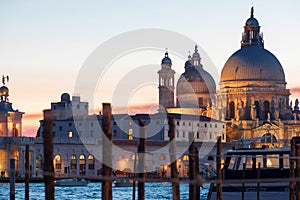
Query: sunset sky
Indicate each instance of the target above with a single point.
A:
(44, 44)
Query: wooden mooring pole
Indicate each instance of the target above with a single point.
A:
(192, 168)
(292, 169)
(141, 153)
(12, 178)
(219, 172)
(27, 172)
(107, 152)
(48, 155)
(172, 151)
(298, 171)
(243, 181)
(258, 182)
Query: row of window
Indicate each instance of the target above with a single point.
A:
(190, 124)
(197, 135)
(73, 163)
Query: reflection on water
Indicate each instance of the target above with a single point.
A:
(153, 191)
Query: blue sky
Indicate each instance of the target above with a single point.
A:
(45, 43)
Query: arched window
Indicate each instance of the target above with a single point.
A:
(39, 162)
(73, 162)
(257, 108)
(266, 109)
(82, 168)
(91, 162)
(185, 157)
(231, 110)
(270, 138)
(57, 161)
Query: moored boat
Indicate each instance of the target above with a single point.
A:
(123, 183)
(71, 182)
(249, 173)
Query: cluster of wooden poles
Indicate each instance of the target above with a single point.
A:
(107, 178)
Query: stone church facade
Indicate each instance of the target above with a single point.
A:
(253, 99)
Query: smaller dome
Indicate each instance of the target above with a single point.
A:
(196, 55)
(188, 64)
(166, 60)
(65, 97)
(251, 22)
(4, 91)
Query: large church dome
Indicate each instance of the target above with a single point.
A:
(252, 62)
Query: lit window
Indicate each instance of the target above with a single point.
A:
(130, 134)
(73, 162)
(57, 160)
(70, 134)
(185, 157)
(82, 164)
(91, 162)
(38, 162)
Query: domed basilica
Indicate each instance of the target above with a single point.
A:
(252, 99)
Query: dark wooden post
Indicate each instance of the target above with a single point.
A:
(197, 177)
(258, 182)
(298, 171)
(172, 151)
(141, 153)
(107, 152)
(134, 177)
(219, 172)
(292, 169)
(27, 172)
(192, 168)
(12, 178)
(48, 155)
(243, 183)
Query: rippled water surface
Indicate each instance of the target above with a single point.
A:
(153, 191)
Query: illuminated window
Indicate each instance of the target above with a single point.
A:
(91, 162)
(73, 162)
(81, 164)
(130, 134)
(130, 123)
(57, 160)
(38, 162)
(185, 157)
(70, 134)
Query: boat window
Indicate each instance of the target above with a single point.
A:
(272, 161)
(243, 160)
(286, 161)
(232, 161)
(259, 159)
(248, 162)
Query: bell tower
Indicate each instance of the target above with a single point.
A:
(10, 119)
(166, 84)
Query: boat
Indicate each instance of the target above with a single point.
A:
(249, 173)
(123, 183)
(71, 182)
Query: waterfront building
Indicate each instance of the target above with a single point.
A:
(12, 143)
